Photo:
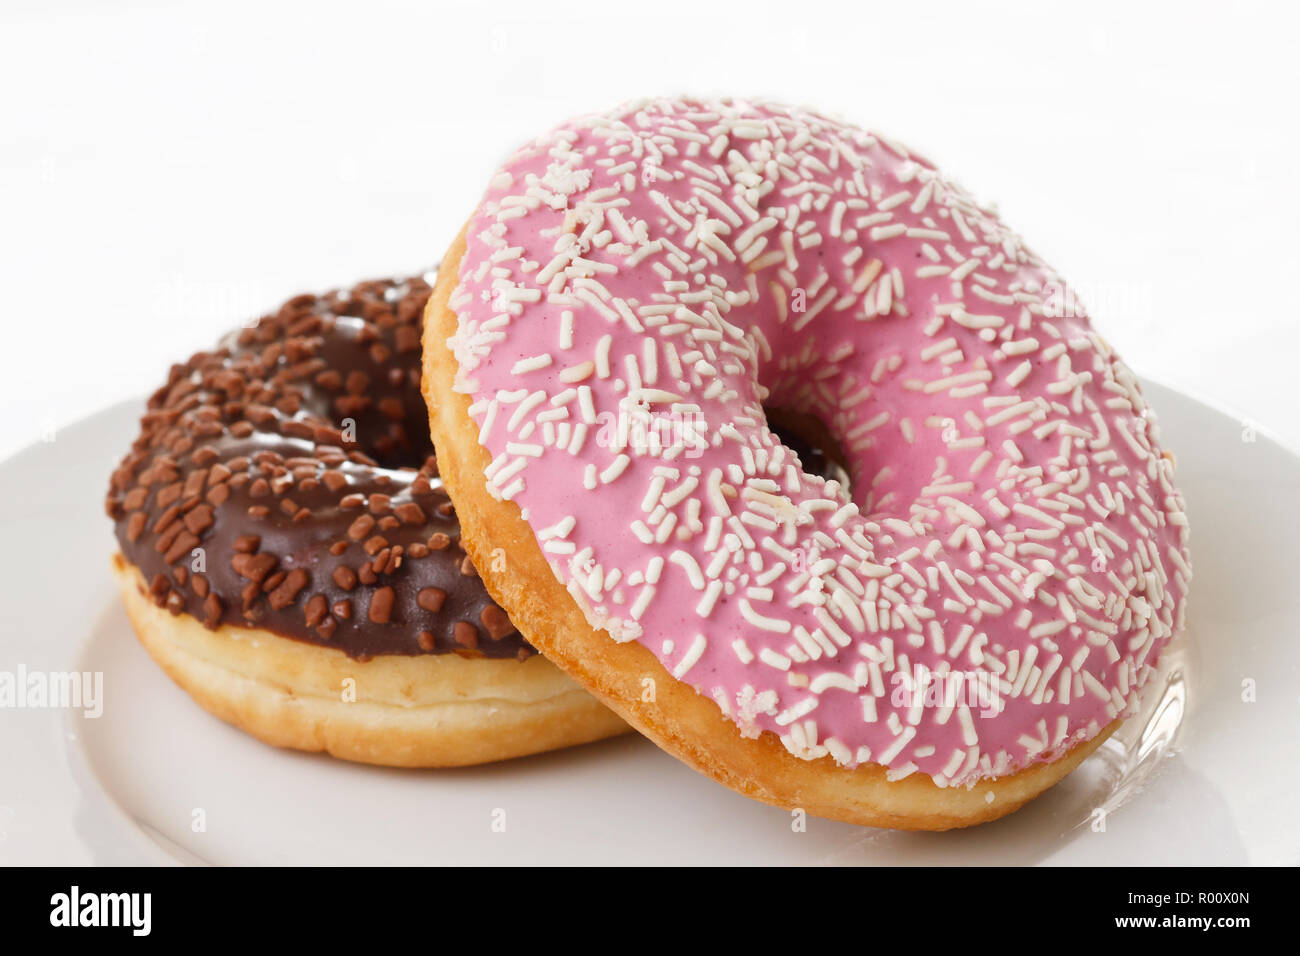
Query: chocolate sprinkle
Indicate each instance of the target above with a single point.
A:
(288, 475)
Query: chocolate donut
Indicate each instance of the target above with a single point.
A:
(284, 488)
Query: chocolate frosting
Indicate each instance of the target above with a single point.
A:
(286, 481)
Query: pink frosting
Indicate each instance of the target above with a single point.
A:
(1001, 577)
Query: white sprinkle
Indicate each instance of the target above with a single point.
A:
(691, 657)
(533, 364)
(615, 468)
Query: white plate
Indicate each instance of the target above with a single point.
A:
(1201, 776)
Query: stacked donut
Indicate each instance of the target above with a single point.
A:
(928, 647)
(289, 556)
(757, 427)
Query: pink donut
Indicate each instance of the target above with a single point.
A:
(998, 583)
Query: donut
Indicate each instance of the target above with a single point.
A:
(638, 295)
(288, 555)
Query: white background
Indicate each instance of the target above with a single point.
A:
(170, 169)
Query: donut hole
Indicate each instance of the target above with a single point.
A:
(820, 453)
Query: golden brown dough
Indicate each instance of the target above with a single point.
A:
(438, 710)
